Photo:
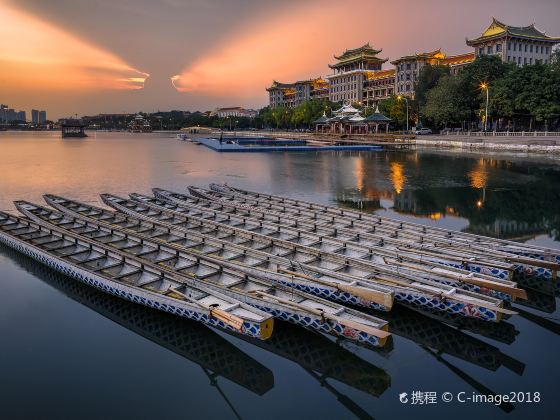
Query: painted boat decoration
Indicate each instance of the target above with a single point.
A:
(447, 239)
(409, 289)
(385, 244)
(349, 249)
(194, 341)
(318, 281)
(129, 279)
(196, 270)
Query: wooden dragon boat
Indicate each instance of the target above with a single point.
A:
(449, 237)
(192, 340)
(290, 232)
(254, 290)
(318, 281)
(382, 242)
(130, 279)
(475, 256)
(409, 289)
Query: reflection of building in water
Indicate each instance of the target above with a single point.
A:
(406, 202)
(509, 229)
(478, 176)
(397, 176)
(191, 340)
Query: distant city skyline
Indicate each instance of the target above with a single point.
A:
(80, 57)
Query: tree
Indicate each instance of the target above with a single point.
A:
(445, 104)
(428, 79)
(394, 109)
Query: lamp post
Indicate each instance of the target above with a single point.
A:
(401, 97)
(484, 86)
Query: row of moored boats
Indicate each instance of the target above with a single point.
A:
(237, 259)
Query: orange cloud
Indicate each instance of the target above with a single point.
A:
(36, 55)
(286, 44)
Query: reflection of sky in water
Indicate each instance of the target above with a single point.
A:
(514, 198)
(81, 352)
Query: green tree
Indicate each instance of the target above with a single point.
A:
(444, 103)
(428, 79)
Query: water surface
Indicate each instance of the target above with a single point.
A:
(69, 351)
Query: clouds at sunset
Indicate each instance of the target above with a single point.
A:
(38, 56)
(200, 54)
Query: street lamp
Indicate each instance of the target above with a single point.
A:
(484, 86)
(401, 97)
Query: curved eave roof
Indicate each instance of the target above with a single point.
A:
(364, 57)
(544, 38)
(432, 55)
(377, 117)
(499, 29)
(366, 48)
(321, 120)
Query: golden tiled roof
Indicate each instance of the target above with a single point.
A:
(380, 74)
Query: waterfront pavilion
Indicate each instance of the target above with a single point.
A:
(376, 119)
(348, 120)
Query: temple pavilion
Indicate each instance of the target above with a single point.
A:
(348, 120)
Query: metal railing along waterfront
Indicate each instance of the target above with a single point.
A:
(502, 133)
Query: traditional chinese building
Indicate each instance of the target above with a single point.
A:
(292, 94)
(358, 76)
(514, 44)
(458, 62)
(408, 68)
(378, 85)
(234, 111)
(350, 72)
(348, 120)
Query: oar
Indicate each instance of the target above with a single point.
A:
(443, 295)
(376, 332)
(371, 295)
(469, 278)
(223, 316)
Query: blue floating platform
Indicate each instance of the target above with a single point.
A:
(276, 145)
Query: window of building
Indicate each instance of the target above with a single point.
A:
(407, 88)
(526, 47)
(408, 76)
(408, 66)
(489, 49)
(509, 59)
(499, 48)
(547, 50)
(509, 46)
(530, 60)
(525, 60)
(519, 60)
(531, 48)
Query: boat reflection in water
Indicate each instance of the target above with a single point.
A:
(441, 335)
(321, 357)
(189, 339)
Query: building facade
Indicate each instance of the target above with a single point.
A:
(407, 70)
(358, 76)
(522, 45)
(235, 111)
(292, 94)
(351, 70)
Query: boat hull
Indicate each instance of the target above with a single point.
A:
(127, 293)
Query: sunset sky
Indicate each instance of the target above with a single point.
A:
(87, 57)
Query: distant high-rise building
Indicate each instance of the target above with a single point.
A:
(42, 117)
(20, 116)
(35, 116)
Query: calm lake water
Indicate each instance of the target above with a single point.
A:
(69, 351)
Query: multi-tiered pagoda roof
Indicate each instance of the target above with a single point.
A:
(364, 53)
(499, 29)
